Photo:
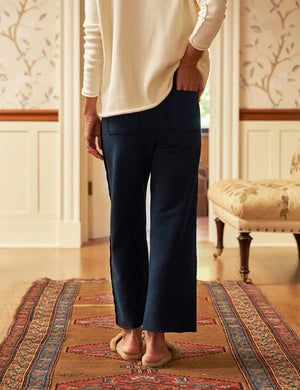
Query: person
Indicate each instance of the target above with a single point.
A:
(146, 64)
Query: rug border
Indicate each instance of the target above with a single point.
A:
(290, 356)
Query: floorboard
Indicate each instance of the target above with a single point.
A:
(275, 270)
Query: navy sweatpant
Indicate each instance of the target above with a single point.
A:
(158, 291)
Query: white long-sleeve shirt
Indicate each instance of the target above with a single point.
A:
(133, 47)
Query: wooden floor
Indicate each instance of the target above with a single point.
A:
(275, 270)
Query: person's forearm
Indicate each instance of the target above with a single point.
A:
(90, 107)
(191, 56)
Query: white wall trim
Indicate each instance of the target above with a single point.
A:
(39, 234)
(224, 130)
(70, 124)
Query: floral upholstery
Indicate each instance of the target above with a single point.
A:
(269, 205)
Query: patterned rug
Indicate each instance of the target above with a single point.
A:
(59, 340)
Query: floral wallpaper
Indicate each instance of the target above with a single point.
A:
(270, 54)
(29, 59)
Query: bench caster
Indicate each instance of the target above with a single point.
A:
(245, 278)
(218, 253)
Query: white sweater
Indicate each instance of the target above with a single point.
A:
(133, 47)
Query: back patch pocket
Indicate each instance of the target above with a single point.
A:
(123, 124)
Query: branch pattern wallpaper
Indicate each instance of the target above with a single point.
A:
(29, 59)
(270, 54)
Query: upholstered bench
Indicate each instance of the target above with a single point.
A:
(260, 206)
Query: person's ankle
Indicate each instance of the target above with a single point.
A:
(155, 338)
(133, 333)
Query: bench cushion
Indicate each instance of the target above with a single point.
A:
(258, 200)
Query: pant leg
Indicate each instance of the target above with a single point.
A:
(171, 295)
(127, 159)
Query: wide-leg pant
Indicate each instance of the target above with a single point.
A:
(163, 143)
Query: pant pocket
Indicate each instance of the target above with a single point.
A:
(124, 124)
(184, 112)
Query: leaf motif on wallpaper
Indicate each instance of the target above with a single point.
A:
(256, 29)
(25, 22)
(272, 54)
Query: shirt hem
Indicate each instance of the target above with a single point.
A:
(137, 109)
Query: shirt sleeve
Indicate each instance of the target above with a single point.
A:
(210, 18)
(93, 51)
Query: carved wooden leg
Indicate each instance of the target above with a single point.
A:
(245, 241)
(297, 238)
(220, 231)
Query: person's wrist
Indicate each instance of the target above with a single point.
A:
(191, 56)
(91, 118)
(90, 108)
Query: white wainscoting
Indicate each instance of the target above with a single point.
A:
(29, 177)
(32, 187)
(266, 149)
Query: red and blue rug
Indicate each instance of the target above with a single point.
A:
(60, 335)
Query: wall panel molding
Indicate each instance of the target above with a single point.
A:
(267, 148)
(29, 115)
(262, 114)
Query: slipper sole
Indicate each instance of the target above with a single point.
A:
(114, 347)
(176, 353)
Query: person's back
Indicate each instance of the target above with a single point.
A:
(143, 43)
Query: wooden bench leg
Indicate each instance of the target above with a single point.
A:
(297, 238)
(245, 241)
(220, 231)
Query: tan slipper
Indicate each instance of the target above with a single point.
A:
(176, 353)
(115, 348)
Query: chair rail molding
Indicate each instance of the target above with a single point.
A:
(224, 131)
(29, 115)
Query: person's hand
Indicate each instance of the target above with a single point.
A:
(188, 77)
(92, 135)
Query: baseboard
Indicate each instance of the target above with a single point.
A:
(69, 235)
(50, 234)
